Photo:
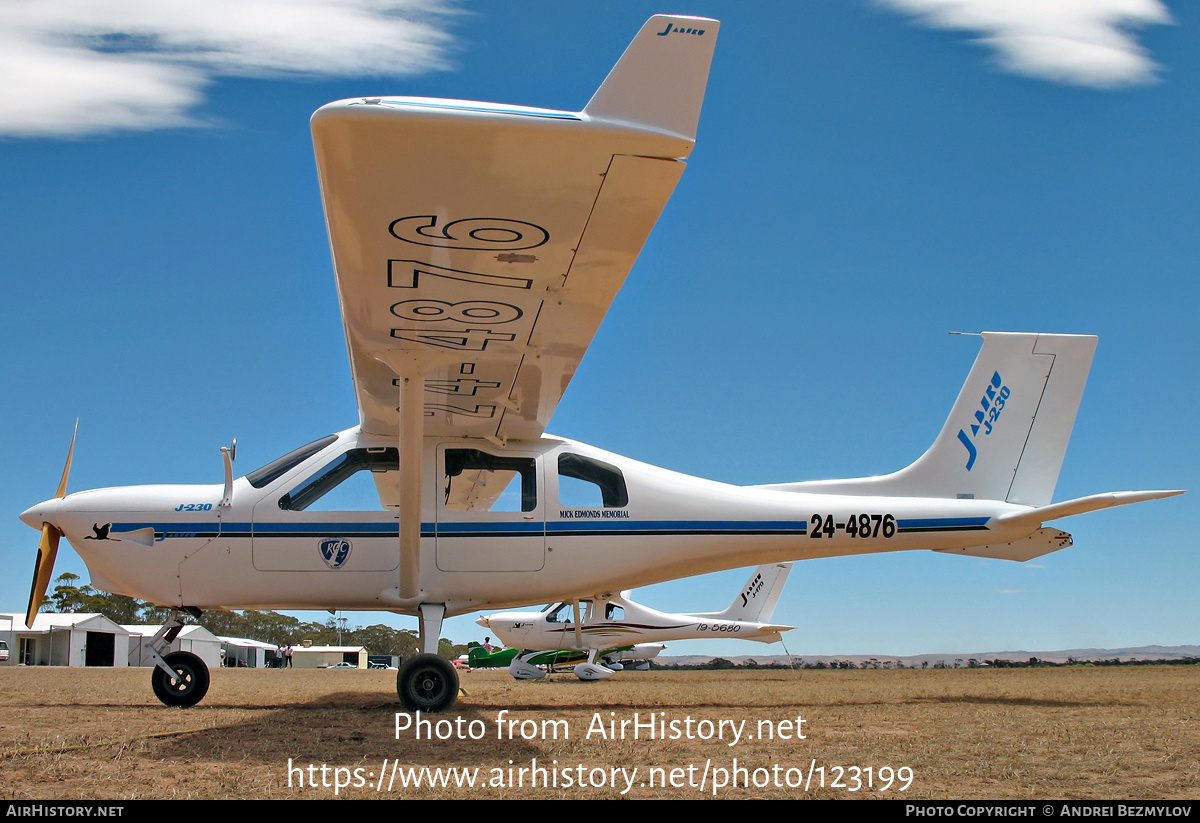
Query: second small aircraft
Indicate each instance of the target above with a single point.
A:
(607, 623)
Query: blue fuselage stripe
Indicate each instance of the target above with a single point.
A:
(556, 528)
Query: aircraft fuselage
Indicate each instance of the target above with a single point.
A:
(573, 521)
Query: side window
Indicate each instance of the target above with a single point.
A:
(587, 483)
(359, 480)
(613, 612)
(478, 481)
(565, 613)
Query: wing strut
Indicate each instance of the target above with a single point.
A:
(578, 636)
(412, 430)
(410, 374)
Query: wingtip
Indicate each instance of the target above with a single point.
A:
(660, 80)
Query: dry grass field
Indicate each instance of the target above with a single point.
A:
(1073, 733)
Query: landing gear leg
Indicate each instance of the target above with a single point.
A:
(426, 682)
(431, 626)
(179, 678)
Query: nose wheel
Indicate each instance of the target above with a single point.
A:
(427, 683)
(187, 687)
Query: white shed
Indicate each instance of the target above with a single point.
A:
(242, 652)
(316, 657)
(65, 640)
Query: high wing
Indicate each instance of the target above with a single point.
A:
(477, 247)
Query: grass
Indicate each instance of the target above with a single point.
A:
(1020, 734)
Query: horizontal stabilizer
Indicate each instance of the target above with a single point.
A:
(1091, 503)
(659, 81)
(1043, 541)
(769, 634)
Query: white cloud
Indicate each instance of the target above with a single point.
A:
(1078, 42)
(72, 67)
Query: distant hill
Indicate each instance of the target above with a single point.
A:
(949, 659)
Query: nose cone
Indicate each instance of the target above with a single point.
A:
(509, 627)
(44, 512)
(482, 621)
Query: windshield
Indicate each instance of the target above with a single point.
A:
(277, 468)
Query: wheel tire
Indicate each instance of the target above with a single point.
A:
(427, 683)
(188, 688)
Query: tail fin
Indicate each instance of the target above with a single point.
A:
(1008, 431)
(659, 80)
(1007, 434)
(476, 655)
(755, 603)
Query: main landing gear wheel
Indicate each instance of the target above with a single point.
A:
(189, 685)
(427, 683)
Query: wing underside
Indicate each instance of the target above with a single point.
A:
(478, 247)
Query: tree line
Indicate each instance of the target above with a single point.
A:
(264, 626)
(720, 663)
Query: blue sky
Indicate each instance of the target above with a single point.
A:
(868, 177)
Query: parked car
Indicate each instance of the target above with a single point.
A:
(3, 651)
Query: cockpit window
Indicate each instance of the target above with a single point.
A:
(277, 468)
(376, 461)
(584, 482)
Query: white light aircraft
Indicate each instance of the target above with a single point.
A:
(476, 249)
(606, 623)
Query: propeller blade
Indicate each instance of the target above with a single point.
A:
(62, 484)
(48, 546)
(47, 551)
